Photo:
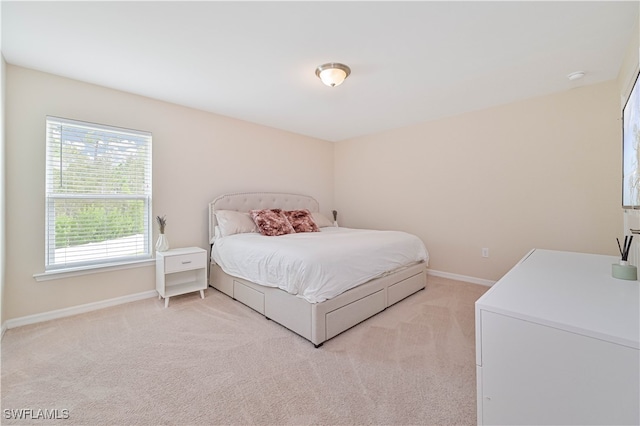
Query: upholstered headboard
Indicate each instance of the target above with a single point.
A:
(245, 201)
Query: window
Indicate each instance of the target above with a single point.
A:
(98, 194)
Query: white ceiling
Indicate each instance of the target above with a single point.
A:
(411, 61)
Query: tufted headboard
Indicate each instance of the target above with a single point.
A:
(245, 201)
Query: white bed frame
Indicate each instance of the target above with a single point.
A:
(316, 322)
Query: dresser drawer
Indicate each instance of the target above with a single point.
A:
(185, 262)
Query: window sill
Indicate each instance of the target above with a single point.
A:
(57, 274)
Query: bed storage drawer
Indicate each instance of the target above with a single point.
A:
(404, 288)
(250, 297)
(353, 313)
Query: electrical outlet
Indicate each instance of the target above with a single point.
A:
(485, 252)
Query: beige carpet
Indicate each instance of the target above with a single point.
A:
(215, 361)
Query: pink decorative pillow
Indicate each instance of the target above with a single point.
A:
(271, 222)
(301, 220)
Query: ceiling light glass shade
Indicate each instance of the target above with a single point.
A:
(333, 74)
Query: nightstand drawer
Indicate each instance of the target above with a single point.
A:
(185, 262)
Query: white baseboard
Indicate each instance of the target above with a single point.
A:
(4, 328)
(74, 310)
(458, 277)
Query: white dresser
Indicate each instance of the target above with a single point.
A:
(557, 342)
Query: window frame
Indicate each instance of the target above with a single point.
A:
(104, 262)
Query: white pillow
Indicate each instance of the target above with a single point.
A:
(233, 222)
(321, 220)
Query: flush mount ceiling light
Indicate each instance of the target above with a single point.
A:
(576, 75)
(333, 74)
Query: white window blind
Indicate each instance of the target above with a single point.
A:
(98, 194)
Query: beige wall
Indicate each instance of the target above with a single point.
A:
(542, 173)
(2, 187)
(630, 65)
(196, 157)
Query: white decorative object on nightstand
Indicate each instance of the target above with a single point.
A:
(181, 271)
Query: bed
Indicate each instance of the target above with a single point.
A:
(321, 298)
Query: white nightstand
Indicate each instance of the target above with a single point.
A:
(180, 271)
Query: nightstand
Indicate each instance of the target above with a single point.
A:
(180, 271)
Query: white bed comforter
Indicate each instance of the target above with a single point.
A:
(317, 265)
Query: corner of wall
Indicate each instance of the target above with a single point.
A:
(2, 186)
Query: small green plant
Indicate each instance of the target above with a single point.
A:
(162, 222)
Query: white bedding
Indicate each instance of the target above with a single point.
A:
(317, 265)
